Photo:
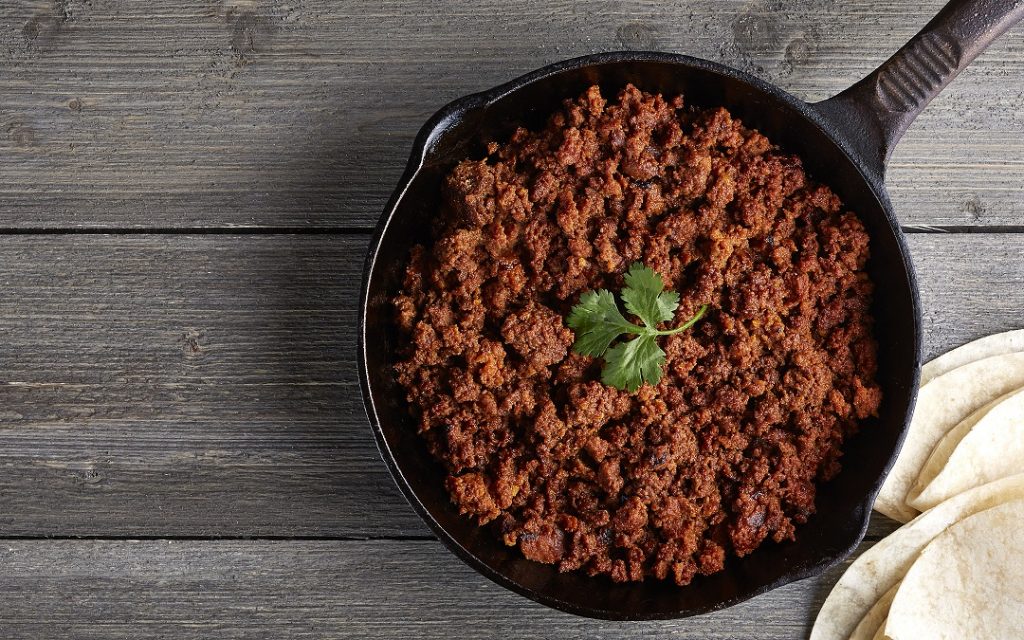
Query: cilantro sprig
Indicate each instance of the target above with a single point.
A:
(597, 321)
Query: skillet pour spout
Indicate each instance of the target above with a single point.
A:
(844, 142)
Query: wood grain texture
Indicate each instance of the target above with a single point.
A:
(270, 113)
(205, 385)
(186, 385)
(319, 589)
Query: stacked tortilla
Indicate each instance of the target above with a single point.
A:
(956, 569)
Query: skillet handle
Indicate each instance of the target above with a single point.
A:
(874, 113)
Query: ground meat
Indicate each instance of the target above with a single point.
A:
(756, 399)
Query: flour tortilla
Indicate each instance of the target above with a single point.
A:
(941, 404)
(873, 622)
(994, 345)
(880, 632)
(992, 448)
(967, 583)
(944, 449)
(882, 566)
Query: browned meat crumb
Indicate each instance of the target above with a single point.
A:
(726, 450)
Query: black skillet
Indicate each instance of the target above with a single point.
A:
(844, 142)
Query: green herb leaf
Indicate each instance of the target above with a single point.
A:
(630, 364)
(597, 321)
(644, 296)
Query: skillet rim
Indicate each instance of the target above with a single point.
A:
(438, 124)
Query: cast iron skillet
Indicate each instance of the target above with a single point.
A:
(844, 142)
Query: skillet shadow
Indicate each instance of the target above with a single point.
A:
(306, 318)
(333, 188)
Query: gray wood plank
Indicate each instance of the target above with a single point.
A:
(174, 385)
(205, 385)
(310, 589)
(166, 113)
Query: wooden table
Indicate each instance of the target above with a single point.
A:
(186, 195)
